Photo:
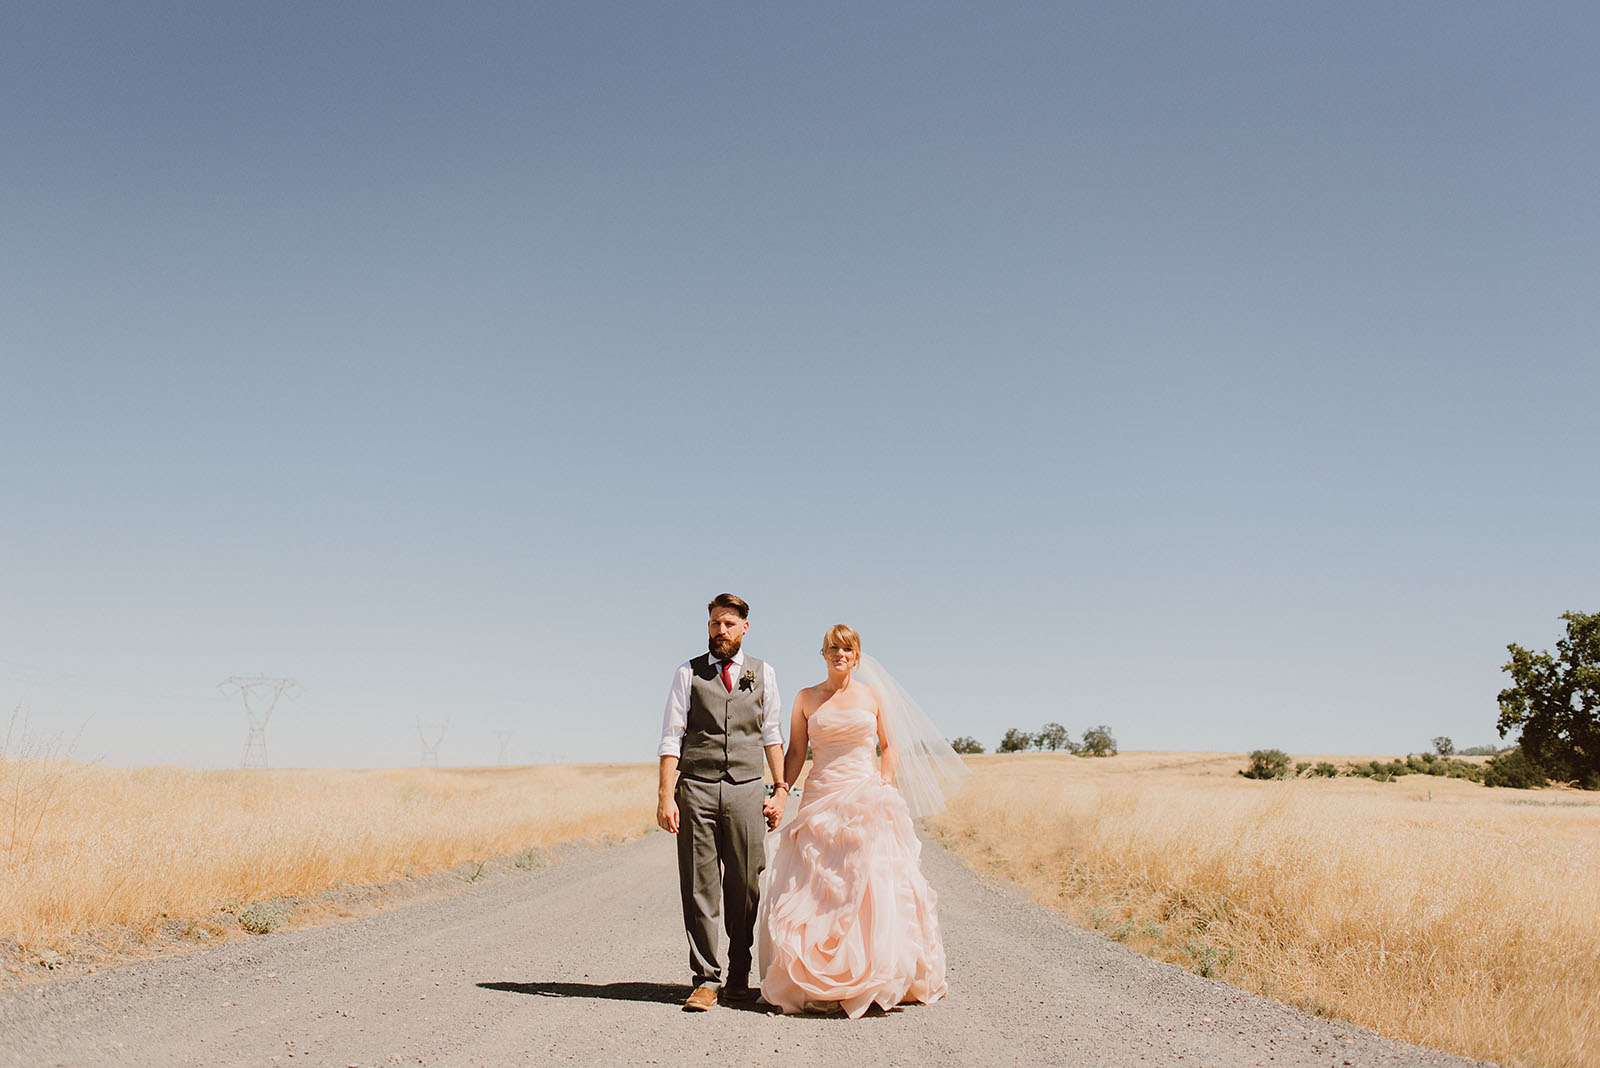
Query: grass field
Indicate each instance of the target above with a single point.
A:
(114, 853)
(1432, 910)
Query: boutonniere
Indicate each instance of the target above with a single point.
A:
(747, 681)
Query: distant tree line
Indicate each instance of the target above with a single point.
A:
(1053, 737)
(1507, 769)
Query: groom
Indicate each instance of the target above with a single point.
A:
(722, 711)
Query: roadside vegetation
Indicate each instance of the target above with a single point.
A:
(1432, 910)
(119, 858)
(1507, 768)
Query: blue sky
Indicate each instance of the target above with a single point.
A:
(1222, 373)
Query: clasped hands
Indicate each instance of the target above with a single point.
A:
(772, 807)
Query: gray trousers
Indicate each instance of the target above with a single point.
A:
(720, 856)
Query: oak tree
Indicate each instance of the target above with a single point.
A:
(1554, 701)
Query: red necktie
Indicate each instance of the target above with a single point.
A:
(727, 682)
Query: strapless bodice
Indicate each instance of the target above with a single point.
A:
(836, 731)
(844, 744)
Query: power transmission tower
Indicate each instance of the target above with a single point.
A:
(260, 694)
(504, 738)
(431, 735)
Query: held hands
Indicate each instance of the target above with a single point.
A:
(772, 808)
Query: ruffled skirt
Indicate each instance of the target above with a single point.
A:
(846, 919)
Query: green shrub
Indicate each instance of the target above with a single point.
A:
(1267, 764)
(259, 917)
(1415, 764)
(1514, 770)
(1324, 769)
(1427, 764)
(1380, 771)
(1209, 961)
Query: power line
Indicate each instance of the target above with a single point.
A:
(33, 675)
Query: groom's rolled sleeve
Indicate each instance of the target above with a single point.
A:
(675, 718)
(771, 707)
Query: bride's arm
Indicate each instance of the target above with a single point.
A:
(795, 759)
(889, 758)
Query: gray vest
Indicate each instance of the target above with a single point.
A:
(722, 740)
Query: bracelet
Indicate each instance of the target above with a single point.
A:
(776, 788)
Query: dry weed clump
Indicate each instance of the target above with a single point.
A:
(1442, 913)
(32, 770)
(130, 849)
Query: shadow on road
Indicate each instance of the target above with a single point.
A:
(661, 993)
(657, 993)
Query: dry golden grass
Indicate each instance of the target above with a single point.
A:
(1432, 910)
(123, 849)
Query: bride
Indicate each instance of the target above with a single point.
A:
(846, 919)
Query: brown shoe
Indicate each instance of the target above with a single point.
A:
(701, 998)
(737, 993)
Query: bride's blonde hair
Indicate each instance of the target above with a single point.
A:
(844, 636)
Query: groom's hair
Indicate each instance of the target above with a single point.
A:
(728, 600)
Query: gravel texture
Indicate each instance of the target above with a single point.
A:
(584, 963)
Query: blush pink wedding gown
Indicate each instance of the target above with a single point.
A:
(846, 919)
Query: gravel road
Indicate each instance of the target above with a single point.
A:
(584, 963)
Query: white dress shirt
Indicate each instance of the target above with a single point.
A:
(675, 720)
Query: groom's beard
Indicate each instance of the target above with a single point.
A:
(724, 648)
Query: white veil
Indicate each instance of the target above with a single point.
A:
(928, 770)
